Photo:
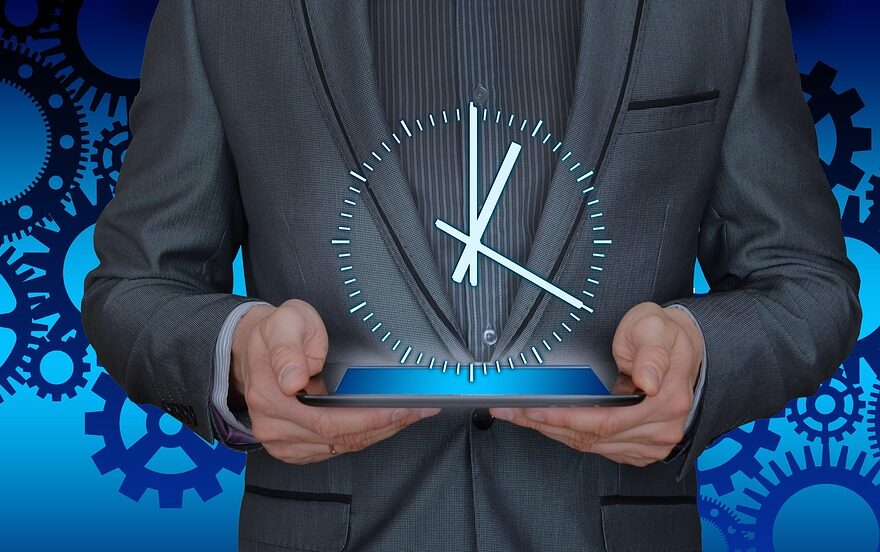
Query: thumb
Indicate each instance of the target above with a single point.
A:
(291, 368)
(642, 346)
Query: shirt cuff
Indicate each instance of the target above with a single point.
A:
(701, 377)
(230, 429)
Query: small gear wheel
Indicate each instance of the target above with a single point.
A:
(841, 107)
(76, 69)
(66, 335)
(791, 479)
(109, 152)
(18, 24)
(873, 195)
(31, 203)
(726, 524)
(19, 320)
(720, 475)
(831, 413)
(200, 473)
(873, 421)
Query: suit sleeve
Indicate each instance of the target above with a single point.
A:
(783, 311)
(154, 306)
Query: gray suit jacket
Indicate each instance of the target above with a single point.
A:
(252, 114)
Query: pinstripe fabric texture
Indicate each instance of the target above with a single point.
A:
(511, 56)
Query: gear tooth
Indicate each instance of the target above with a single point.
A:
(171, 498)
(104, 460)
(823, 74)
(209, 488)
(851, 102)
(133, 489)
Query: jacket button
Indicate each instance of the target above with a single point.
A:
(482, 419)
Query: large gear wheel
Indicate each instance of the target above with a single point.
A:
(19, 320)
(19, 29)
(793, 478)
(76, 69)
(743, 460)
(109, 152)
(67, 334)
(867, 232)
(841, 107)
(831, 413)
(31, 203)
(873, 421)
(722, 527)
(200, 475)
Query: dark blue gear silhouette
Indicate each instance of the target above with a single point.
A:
(773, 496)
(823, 102)
(20, 320)
(75, 68)
(109, 153)
(873, 422)
(812, 421)
(743, 461)
(718, 516)
(132, 460)
(868, 232)
(66, 334)
(10, 30)
(873, 195)
(66, 125)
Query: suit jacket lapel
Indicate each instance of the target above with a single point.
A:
(608, 44)
(339, 40)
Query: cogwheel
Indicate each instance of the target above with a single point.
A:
(873, 195)
(742, 461)
(75, 69)
(873, 422)
(66, 334)
(831, 413)
(787, 491)
(31, 203)
(18, 26)
(19, 320)
(722, 526)
(109, 153)
(867, 232)
(200, 475)
(823, 102)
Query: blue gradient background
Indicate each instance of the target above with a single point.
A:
(52, 495)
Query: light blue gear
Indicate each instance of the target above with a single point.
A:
(208, 461)
(873, 421)
(743, 460)
(793, 478)
(727, 524)
(815, 422)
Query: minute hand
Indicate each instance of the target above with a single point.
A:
(513, 267)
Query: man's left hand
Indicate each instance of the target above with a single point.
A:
(658, 350)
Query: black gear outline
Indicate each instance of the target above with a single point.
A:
(67, 334)
(805, 415)
(20, 320)
(20, 34)
(841, 107)
(74, 67)
(873, 195)
(108, 153)
(64, 120)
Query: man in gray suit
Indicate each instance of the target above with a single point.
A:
(258, 122)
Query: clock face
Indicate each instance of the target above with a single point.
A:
(485, 196)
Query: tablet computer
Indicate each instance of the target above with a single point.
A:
(474, 386)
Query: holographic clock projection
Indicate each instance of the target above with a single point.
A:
(369, 309)
(82, 464)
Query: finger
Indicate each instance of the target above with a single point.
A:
(642, 344)
(296, 341)
(333, 422)
(302, 453)
(623, 385)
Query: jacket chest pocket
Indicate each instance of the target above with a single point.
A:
(650, 523)
(653, 115)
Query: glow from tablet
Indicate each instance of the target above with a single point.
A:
(461, 380)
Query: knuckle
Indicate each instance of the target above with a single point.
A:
(680, 404)
(608, 427)
(326, 427)
(256, 400)
(583, 442)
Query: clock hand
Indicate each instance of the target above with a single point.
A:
(469, 255)
(473, 186)
(512, 266)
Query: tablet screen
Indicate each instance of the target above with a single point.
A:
(467, 380)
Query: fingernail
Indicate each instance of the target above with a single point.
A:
(399, 414)
(653, 376)
(428, 412)
(503, 413)
(284, 376)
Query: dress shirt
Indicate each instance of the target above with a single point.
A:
(515, 56)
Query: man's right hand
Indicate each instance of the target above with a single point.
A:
(278, 352)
